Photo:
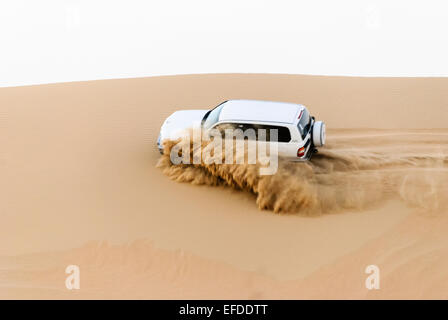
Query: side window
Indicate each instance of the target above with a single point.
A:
(284, 135)
(250, 130)
(283, 132)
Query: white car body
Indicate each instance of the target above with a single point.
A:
(299, 133)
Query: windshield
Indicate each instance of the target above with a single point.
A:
(304, 123)
(212, 116)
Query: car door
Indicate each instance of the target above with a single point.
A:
(285, 140)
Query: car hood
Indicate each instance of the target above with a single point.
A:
(179, 121)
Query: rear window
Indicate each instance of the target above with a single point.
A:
(284, 135)
(304, 123)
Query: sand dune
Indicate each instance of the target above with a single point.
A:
(80, 186)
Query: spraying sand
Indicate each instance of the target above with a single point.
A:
(350, 176)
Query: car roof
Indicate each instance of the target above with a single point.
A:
(258, 110)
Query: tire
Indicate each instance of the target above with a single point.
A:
(319, 134)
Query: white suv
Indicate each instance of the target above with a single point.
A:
(298, 133)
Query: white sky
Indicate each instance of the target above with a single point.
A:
(67, 40)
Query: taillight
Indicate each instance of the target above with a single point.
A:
(301, 152)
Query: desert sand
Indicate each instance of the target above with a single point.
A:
(80, 185)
